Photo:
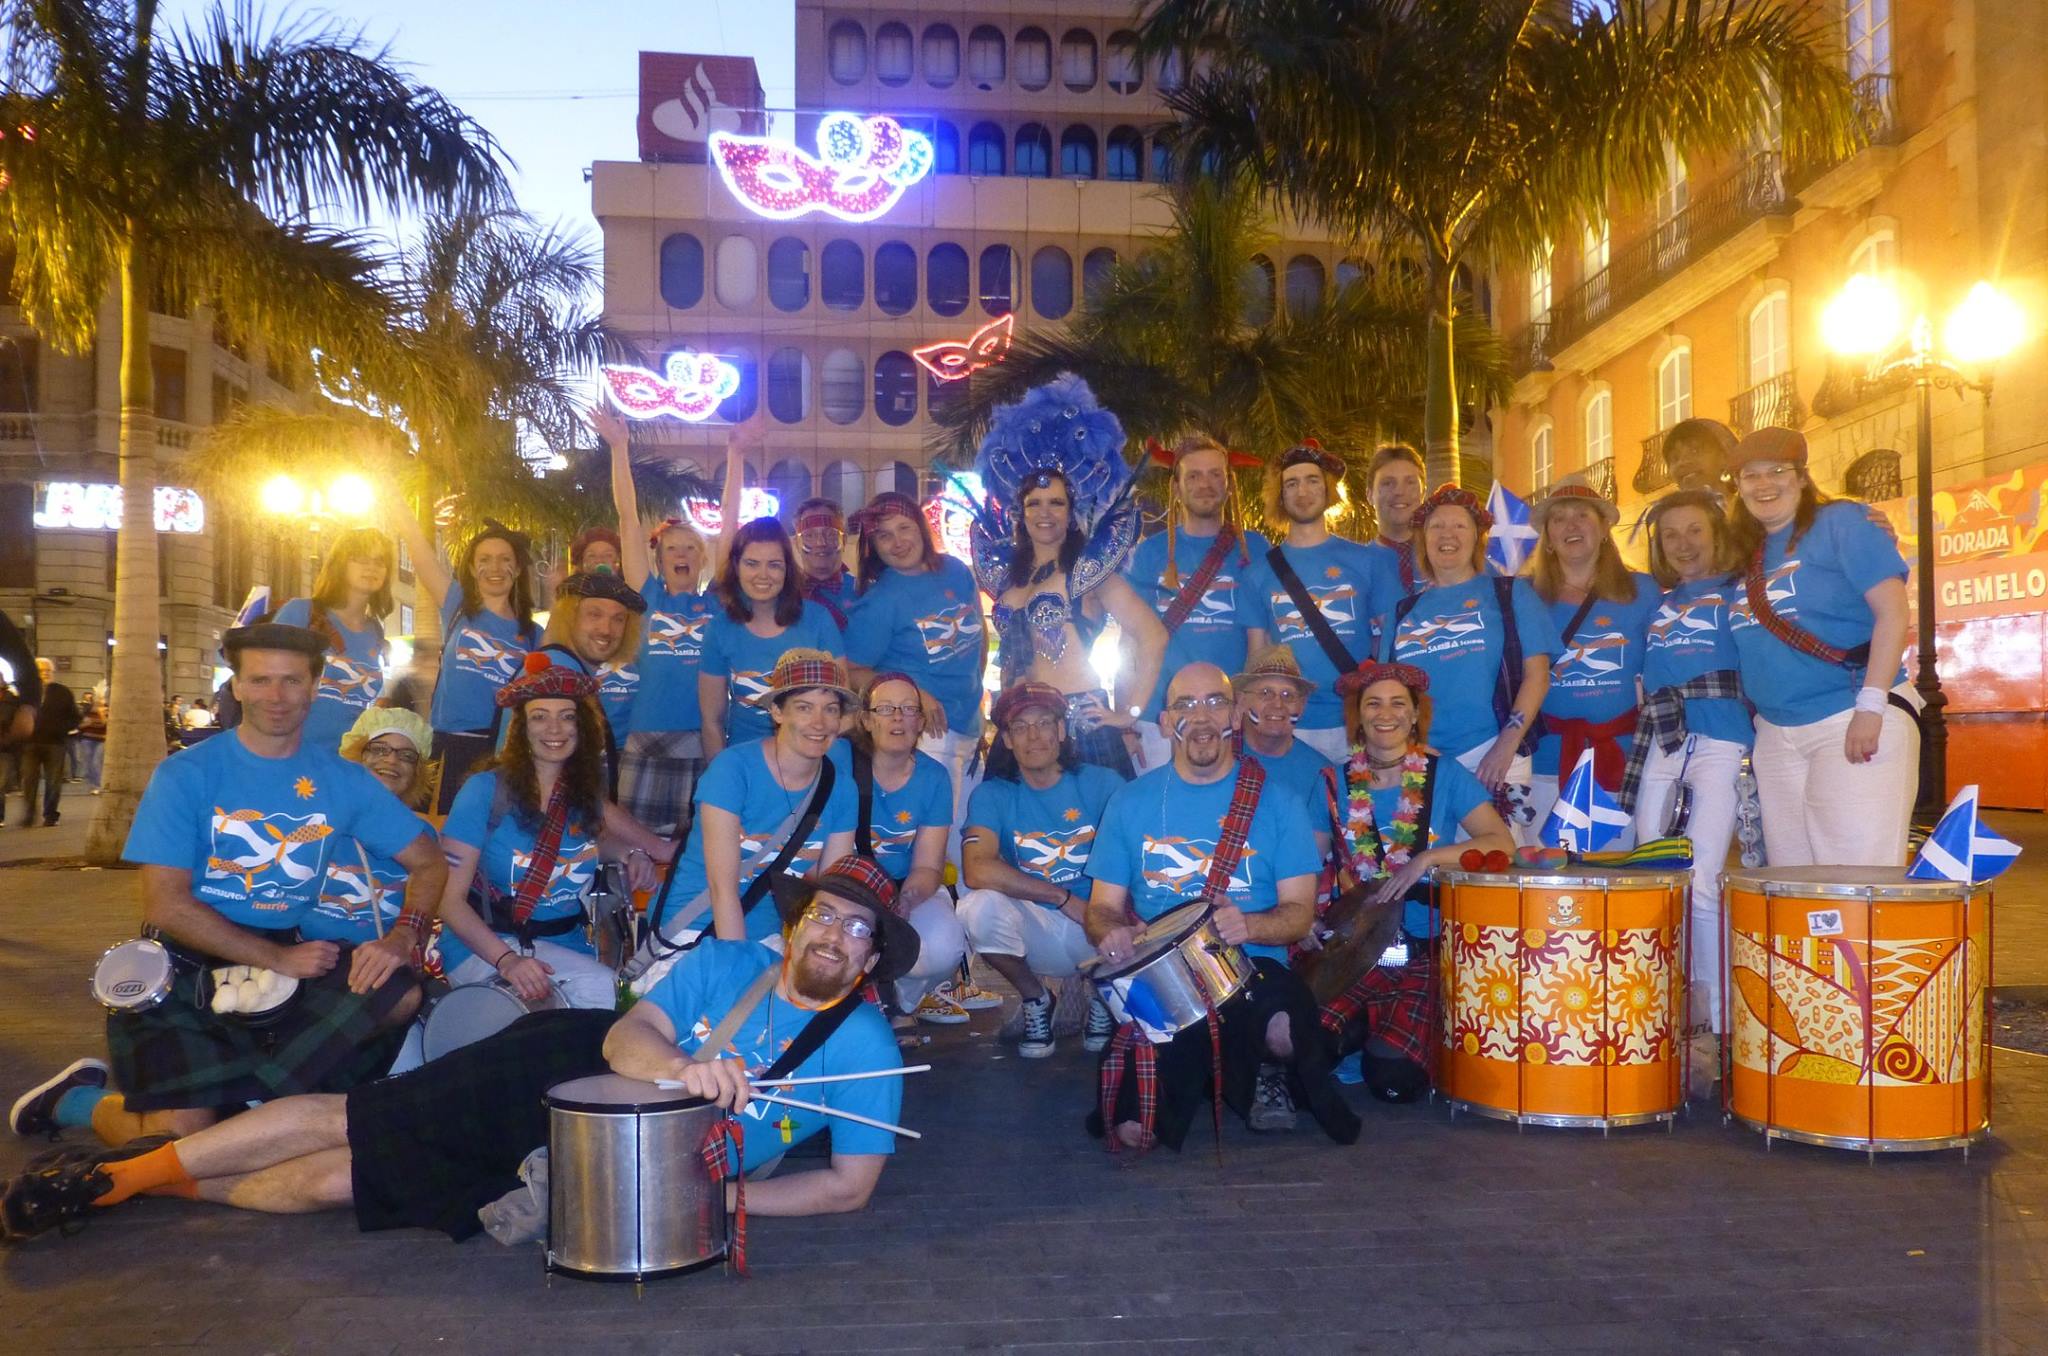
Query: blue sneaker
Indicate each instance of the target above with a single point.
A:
(1350, 1070)
(35, 1112)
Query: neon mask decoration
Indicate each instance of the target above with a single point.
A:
(695, 385)
(862, 167)
(951, 359)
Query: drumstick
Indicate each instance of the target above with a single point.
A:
(674, 1084)
(834, 1111)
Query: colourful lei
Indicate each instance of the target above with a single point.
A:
(1371, 854)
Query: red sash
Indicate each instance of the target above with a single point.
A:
(1198, 583)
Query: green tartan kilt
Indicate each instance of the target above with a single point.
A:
(178, 1055)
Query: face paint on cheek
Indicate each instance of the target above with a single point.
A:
(1253, 717)
(1180, 728)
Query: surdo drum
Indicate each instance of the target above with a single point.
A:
(1859, 1008)
(469, 1012)
(1181, 971)
(1562, 995)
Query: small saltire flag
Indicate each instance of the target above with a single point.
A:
(1586, 817)
(1961, 848)
(1511, 539)
(254, 606)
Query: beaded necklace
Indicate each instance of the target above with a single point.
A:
(1374, 855)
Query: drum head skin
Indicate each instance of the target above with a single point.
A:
(615, 1093)
(135, 974)
(466, 1014)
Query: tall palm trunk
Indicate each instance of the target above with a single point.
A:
(1440, 396)
(135, 695)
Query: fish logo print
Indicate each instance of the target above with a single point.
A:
(347, 892)
(748, 685)
(676, 633)
(1781, 588)
(487, 655)
(572, 872)
(1337, 604)
(1178, 866)
(269, 854)
(1589, 658)
(950, 631)
(1692, 620)
(1447, 632)
(345, 680)
(1058, 855)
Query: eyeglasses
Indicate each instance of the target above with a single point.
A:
(1019, 729)
(820, 539)
(405, 757)
(825, 916)
(1272, 692)
(1757, 472)
(1215, 701)
(890, 710)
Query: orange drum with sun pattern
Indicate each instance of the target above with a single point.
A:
(1562, 995)
(1859, 1007)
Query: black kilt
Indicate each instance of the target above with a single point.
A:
(431, 1147)
(180, 1056)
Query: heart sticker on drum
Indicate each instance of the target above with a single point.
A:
(1824, 923)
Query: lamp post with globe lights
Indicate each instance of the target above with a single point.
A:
(1868, 319)
(346, 498)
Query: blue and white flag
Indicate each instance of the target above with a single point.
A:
(1961, 848)
(1586, 817)
(1511, 539)
(254, 606)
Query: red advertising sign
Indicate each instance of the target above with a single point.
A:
(685, 98)
(1990, 545)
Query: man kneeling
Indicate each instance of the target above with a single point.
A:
(430, 1148)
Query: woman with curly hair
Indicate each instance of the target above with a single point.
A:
(351, 597)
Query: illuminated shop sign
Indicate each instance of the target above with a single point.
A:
(695, 385)
(862, 167)
(708, 517)
(73, 507)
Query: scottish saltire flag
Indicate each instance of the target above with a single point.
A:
(254, 606)
(1961, 848)
(1511, 540)
(1586, 817)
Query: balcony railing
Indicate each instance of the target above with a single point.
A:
(1876, 110)
(1529, 349)
(1773, 401)
(1874, 476)
(1600, 475)
(1654, 473)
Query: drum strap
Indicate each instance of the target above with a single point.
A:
(1183, 604)
(1236, 827)
(731, 1022)
(1311, 614)
(547, 849)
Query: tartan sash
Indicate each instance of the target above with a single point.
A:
(1404, 553)
(1791, 633)
(1198, 583)
(546, 849)
(1236, 827)
(1661, 720)
(823, 597)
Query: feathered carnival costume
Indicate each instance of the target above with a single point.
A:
(1056, 427)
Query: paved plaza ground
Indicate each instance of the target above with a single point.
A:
(1006, 1228)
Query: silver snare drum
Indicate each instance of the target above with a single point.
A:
(1181, 971)
(468, 1013)
(134, 976)
(629, 1194)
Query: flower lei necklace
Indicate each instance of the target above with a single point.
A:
(1373, 855)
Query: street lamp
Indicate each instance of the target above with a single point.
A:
(1868, 319)
(346, 496)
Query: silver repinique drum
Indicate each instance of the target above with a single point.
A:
(134, 976)
(609, 920)
(630, 1196)
(1180, 972)
(468, 1013)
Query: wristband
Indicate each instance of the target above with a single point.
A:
(1873, 700)
(499, 963)
(416, 921)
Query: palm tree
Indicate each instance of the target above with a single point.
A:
(186, 165)
(1187, 337)
(1481, 130)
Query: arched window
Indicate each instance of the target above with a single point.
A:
(945, 147)
(1770, 338)
(895, 388)
(1170, 72)
(895, 278)
(847, 52)
(896, 478)
(789, 274)
(1258, 290)
(941, 56)
(1351, 272)
(1162, 161)
(985, 51)
(1876, 255)
(1077, 60)
(1096, 267)
(894, 58)
(1126, 67)
(1052, 282)
(1077, 152)
(840, 284)
(1304, 285)
(843, 386)
(1595, 249)
(742, 403)
(682, 270)
(1124, 157)
(789, 386)
(845, 486)
(1674, 386)
(999, 280)
(1034, 151)
(1032, 56)
(1599, 426)
(790, 482)
(1672, 199)
(1542, 460)
(946, 283)
(1539, 288)
(985, 149)
(738, 272)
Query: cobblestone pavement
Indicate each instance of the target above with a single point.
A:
(1006, 1228)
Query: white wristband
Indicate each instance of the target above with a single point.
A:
(1873, 700)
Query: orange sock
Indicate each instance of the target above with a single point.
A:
(185, 1190)
(160, 1167)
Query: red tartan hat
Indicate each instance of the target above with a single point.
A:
(884, 504)
(1452, 494)
(1365, 675)
(813, 514)
(1310, 452)
(799, 669)
(540, 676)
(1014, 701)
(857, 880)
(1573, 492)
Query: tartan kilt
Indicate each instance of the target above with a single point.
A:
(1397, 1003)
(431, 1147)
(658, 771)
(178, 1055)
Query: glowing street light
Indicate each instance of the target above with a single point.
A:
(346, 496)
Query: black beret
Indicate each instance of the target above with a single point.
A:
(603, 584)
(273, 636)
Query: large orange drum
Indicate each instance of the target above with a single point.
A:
(1563, 994)
(1859, 1007)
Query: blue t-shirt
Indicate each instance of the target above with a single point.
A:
(1214, 632)
(1453, 633)
(1819, 587)
(1300, 770)
(503, 862)
(479, 655)
(616, 685)
(842, 591)
(1352, 587)
(1689, 636)
(1594, 676)
(257, 833)
(894, 817)
(740, 782)
(1400, 558)
(350, 683)
(358, 882)
(744, 660)
(1158, 836)
(1047, 833)
(671, 651)
(1457, 794)
(929, 626)
(705, 984)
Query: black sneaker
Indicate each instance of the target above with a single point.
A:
(35, 1111)
(57, 1189)
(1272, 1103)
(1101, 1026)
(1035, 1042)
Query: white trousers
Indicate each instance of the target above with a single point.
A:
(583, 980)
(1708, 766)
(1525, 831)
(941, 946)
(1051, 943)
(1822, 810)
(1327, 740)
(954, 750)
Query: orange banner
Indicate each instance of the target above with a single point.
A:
(1990, 545)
